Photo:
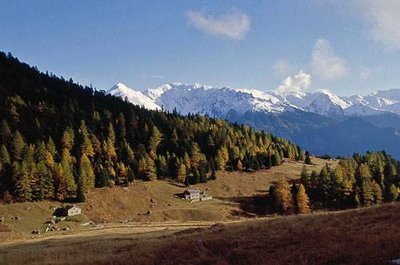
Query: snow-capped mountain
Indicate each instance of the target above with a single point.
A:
(218, 101)
(133, 96)
(320, 122)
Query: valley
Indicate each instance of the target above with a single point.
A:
(156, 202)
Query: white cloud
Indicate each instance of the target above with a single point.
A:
(325, 64)
(233, 25)
(366, 73)
(157, 77)
(297, 83)
(281, 68)
(383, 19)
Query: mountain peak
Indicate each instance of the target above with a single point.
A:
(133, 96)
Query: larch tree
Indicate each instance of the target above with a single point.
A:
(283, 196)
(68, 138)
(154, 141)
(18, 146)
(222, 158)
(150, 169)
(86, 174)
(67, 173)
(302, 201)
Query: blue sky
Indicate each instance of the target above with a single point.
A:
(347, 47)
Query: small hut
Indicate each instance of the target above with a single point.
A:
(69, 210)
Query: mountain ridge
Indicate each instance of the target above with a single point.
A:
(178, 96)
(320, 121)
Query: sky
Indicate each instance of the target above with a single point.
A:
(346, 46)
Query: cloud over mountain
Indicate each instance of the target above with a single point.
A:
(233, 25)
(325, 64)
(297, 83)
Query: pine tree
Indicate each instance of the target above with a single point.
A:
(86, 174)
(302, 201)
(23, 189)
(147, 168)
(68, 139)
(181, 174)
(4, 157)
(67, 173)
(86, 143)
(307, 160)
(377, 191)
(154, 141)
(366, 192)
(18, 146)
(276, 159)
(305, 177)
(5, 133)
(222, 158)
(122, 173)
(391, 194)
(51, 147)
(195, 155)
(46, 183)
(186, 160)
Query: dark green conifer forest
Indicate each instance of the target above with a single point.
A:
(357, 181)
(59, 140)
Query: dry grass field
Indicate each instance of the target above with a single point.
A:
(363, 236)
(148, 215)
(230, 190)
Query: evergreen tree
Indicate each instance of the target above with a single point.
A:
(67, 174)
(86, 143)
(195, 155)
(391, 193)
(18, 146)
(307, 160)
(5, 133)
(4, 157)
(23, 189)
(154, 141)
(86, 174)
(366, 192)
(181, 176)
(68, 139)
(150, 169)
(46, 182)
(377, 191)
(59, 183)
(222, 158)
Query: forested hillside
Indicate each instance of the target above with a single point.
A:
(59, 140)
(357, 181)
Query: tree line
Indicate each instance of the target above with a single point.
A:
(59, 140)
(361, 180)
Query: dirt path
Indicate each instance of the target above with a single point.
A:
(112, 230)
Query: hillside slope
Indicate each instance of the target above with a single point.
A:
(364, 236)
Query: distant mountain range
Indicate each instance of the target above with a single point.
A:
(320, 122)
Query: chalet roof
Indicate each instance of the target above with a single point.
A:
(70, 207)
(191, 190)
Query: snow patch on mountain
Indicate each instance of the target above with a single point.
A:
(219, 101)
(133, 96)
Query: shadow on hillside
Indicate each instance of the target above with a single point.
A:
(250, 206)
(176, 184)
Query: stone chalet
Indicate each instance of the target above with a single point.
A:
(192, 194)
(69, 210)
(196, 195)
